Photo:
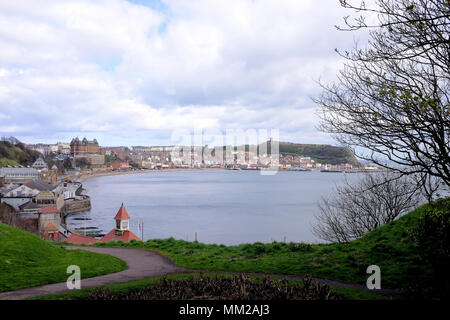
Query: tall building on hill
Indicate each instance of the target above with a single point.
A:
(89, 150)
(84, 146)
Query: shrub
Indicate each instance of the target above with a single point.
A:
(222, 288)
(433, 239)
(304, 247)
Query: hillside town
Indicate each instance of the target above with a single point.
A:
(41, 198)
(88, 154)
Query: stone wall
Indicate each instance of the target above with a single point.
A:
(72, 206)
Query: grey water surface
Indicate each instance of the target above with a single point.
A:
(221, 206)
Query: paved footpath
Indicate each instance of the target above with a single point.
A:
(141, 264)
(144, 264)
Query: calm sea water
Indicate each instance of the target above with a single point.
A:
(222, 206)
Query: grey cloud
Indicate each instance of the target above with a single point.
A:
(103, 66)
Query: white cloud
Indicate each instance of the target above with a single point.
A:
(114, 67)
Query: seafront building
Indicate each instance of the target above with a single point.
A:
(28, 189)
(121, 232)
(83, 147)
(88, 150)
(19, 174)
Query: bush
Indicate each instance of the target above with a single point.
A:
(304, 247)
(433, 239)
(222, 288)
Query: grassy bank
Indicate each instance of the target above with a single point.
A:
(390, 247)
(28, 261)
(123, 288)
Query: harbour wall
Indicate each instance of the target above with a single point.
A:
(73, 206)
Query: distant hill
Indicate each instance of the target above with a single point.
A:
(16, 154)
(320, 152)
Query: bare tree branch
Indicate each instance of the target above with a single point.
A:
(355, 209)
(392, 97)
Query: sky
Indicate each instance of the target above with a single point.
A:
(133, 72)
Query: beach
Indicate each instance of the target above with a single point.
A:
(85, 176)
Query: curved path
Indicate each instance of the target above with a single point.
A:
(141, 264)
(144, 264)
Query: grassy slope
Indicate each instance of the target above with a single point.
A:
(7, 162)
(320, 153)
(351, 294)
(27, 261)
(390, 247)
(14, 155)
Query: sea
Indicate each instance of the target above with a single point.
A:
(211, 206)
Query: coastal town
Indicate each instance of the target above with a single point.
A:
(225, 159)
(47, 191)
(88, 154)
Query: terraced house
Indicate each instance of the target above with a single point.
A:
(34, 195)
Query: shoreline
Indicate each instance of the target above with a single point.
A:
(84, 176)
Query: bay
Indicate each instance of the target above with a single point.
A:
(221, 206)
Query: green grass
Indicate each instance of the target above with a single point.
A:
(13, 155)
(390, 247)
(28, 261)
(350, 294)
(7, 162)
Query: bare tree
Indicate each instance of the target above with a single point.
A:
(391, 99)
(355, 209)
(431, 188)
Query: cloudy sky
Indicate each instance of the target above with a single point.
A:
(132, 72)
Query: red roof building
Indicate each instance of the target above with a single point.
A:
(49, 210)
(79, 239)
(122, 214)
(51, 232)
(126, 236)
(50, 227)
(120, 233)
(48, 223)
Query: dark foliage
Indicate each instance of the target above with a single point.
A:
(322, 153)
(67, 164)
(222, 288)
(18, 153)
(433, 238)
(81, 163)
